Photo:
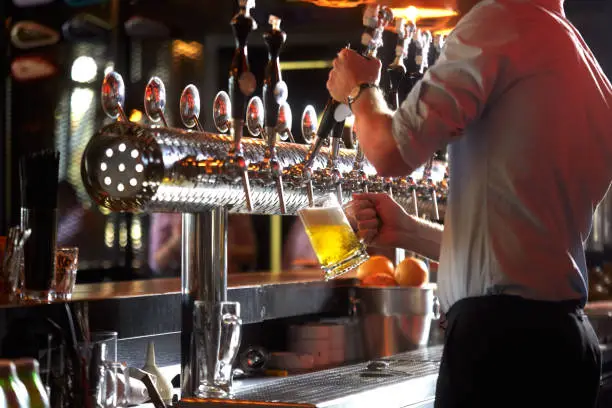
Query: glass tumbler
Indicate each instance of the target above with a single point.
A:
(66, 265)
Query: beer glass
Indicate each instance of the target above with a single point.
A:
(338, 248)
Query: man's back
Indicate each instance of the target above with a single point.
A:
(527, 174)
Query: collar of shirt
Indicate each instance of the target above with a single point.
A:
(551, 5)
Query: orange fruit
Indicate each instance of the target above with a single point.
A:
(376, 264)
(411, 272)
(379, 279)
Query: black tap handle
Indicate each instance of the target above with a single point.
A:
(397, 69)
(242, 82)
(375, 19)
(396, 74)
(327, 119)
(274, 89)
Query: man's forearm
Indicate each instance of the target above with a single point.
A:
(425, 239)
(373, 122)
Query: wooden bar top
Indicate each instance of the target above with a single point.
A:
(170, 286)
(152, 287)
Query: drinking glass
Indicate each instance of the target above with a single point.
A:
(336, 245)
(66, 265)
(218, 333)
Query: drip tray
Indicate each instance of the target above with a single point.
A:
(398, 381)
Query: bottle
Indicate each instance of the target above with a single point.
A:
(14, 390)
(27, 371)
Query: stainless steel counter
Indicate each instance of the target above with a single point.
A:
(408, 380)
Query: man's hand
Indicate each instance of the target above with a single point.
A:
(351, 70)
(381, 222)
(378, 219)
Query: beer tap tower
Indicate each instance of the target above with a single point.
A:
(127, 167)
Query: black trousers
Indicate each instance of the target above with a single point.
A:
(507, 351)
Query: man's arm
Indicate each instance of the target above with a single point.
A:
(474, 67)
(374, 124)
(425, 239)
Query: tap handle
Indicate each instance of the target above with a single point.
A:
(426, 39)
(113, 96)
(376, 18)
(155, 100)
(242, 82)
(334, 112)
(275, 91)
(397, 69)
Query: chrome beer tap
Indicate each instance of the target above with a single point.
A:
(242, 84)
(270, 117)
(376, 18)
(190, 107)
(113, 96)
(155, 101)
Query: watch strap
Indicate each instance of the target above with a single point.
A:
(362, 87)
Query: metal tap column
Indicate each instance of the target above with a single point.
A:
(203, 277)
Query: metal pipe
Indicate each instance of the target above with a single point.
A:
(203, 277)
(127, 167)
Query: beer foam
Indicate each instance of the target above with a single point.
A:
(323, 216)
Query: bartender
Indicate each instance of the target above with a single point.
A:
(527, 114)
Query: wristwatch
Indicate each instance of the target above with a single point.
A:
(357, 91)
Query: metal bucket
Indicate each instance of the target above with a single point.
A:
(397, 319)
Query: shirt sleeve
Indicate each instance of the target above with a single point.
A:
(475, 65)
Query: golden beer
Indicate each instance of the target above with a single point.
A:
(337, 247)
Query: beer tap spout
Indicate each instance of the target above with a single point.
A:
(300, 174)
(357, 179)
(330, 178)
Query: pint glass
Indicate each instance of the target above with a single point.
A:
(338, 248)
